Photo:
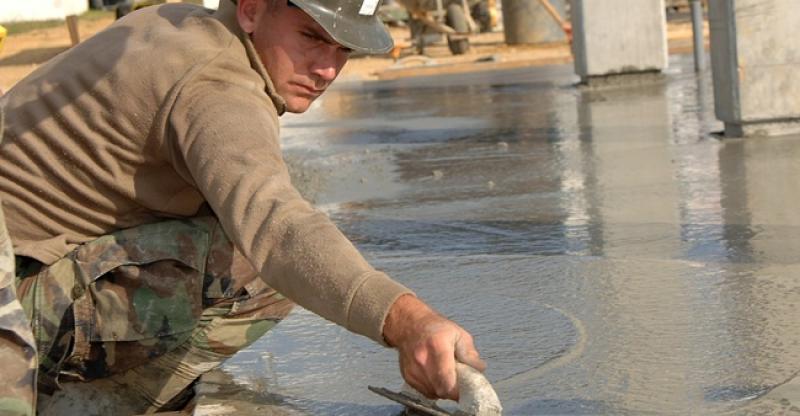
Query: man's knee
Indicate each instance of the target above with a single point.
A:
(249, 317)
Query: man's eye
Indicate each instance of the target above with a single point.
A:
(311, 36)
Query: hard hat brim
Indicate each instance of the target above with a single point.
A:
(362, 33)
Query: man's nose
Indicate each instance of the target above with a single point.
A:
(326, 73)
(327, 65)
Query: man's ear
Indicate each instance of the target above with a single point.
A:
(247, 13)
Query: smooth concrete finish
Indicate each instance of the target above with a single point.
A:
(608, 254)
(754, 57)
(528, 22)
(218, 395)
(618, 37)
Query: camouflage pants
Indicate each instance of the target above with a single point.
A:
(17, 346)
(151, 308)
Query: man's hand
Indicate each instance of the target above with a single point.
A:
(429, 345)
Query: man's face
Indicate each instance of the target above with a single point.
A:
(300, 57)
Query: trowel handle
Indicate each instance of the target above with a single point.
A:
(475, 394)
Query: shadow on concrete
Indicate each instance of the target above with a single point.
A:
(32, 56)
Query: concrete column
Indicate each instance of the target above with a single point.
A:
(618, 37)
(754, 56)
(528, 22)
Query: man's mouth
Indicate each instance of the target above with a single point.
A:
(310, 90)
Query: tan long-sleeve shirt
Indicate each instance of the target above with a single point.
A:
(166, 110)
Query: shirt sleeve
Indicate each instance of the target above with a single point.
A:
(225, 137)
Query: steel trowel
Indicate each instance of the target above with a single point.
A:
(476, 397)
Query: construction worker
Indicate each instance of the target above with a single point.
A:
(155, 228)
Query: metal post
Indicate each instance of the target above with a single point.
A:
(697, 29)
(72, 27)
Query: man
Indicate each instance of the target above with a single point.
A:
(154, 224)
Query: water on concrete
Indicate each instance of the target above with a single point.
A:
(610, 255)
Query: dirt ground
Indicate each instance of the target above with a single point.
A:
(24, 52)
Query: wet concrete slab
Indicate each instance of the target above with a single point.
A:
(608, 252)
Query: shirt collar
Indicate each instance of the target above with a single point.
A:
(226, 14)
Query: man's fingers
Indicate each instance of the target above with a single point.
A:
(421, 387)
(466, 353)
(414, 377)
(442, 369)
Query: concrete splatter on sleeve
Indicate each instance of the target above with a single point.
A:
(17, 345)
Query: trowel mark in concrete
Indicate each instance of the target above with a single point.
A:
(565, 358)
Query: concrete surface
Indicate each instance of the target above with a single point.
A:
(618, 37)
(754, 57)
(219, 395)
(610, 254)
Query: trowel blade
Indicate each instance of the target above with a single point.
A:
(417, 407)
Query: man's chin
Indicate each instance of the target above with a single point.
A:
(298, 104)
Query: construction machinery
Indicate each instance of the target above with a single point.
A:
(456, 19)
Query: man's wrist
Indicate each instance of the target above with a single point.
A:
(403, 314)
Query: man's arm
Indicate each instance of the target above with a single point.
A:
(227, 144)
(429, 346)
(224, 140)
